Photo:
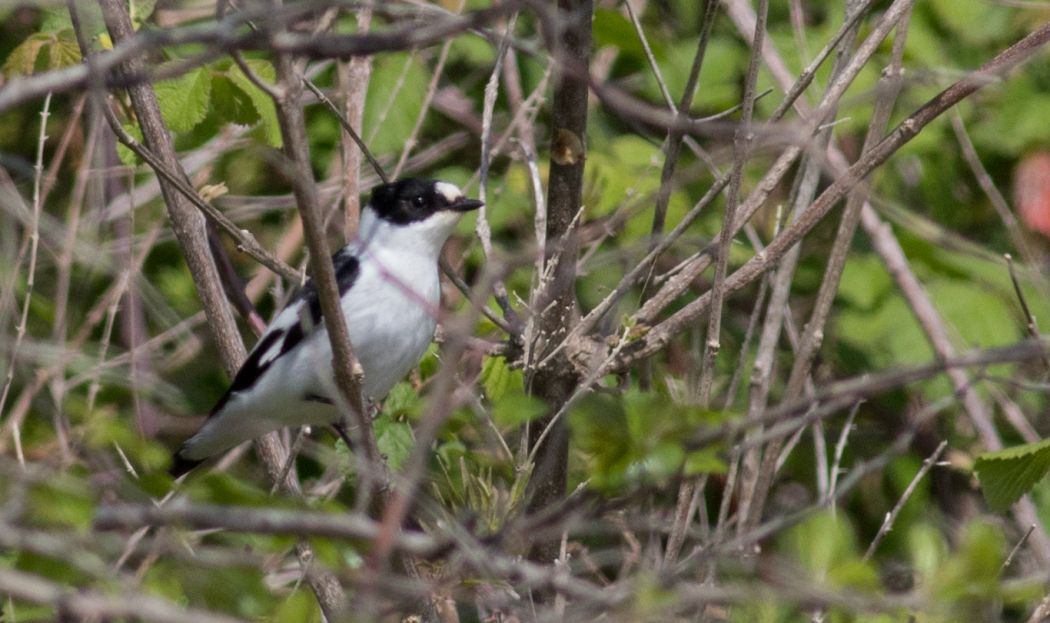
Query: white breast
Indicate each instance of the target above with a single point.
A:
(391, 314)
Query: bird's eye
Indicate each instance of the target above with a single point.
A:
(419, 201)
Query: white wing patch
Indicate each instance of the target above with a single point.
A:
(281, 324)
(450, 192)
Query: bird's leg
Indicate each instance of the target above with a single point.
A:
(340, 429)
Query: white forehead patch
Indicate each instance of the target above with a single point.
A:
(450, 192)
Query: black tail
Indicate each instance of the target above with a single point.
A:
(181, 465)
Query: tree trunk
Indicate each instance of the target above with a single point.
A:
(556, 381)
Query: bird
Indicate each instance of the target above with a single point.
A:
(389, 291)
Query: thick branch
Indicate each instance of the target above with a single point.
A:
(344, 364)
(556, 381)
(71, 604)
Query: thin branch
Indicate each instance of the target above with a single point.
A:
(481, 226)
(814, 329)
(348, 128)
(1030, 324)
(996, 198)
(94, 605)
(741, 148)
(34, 243)
(344, 363)
(231, 34)
(428, 98)
(891, 517)
(1009, 58)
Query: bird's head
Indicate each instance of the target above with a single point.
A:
(414, 212)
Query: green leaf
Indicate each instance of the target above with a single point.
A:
(971, 574)
(401, 399)
(125, 154)
(184, 100)
(598, 425)
(497, 378)
(1008, 474)
(515, 409)
(611, 28)
(826, 547)
(394, 97)
(56, 19)
(864, 281)
(344, 459)
(22, 60)
(395, 441)
(64, 51)
(299, 606)
(261, 102)
(231, 102)
(973, 21)
(704, 461)
(60, 501)
(140, 10)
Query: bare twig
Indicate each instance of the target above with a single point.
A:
(481, 226)
(814, 330)
(891, 517)
(1030, 323)
(741, 147)
(348, 127)
(999, 203)
(659, 335)
(1016, 548)
(34, 243)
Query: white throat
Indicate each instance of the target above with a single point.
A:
(422, 238)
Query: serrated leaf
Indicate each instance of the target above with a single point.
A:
(22, 60)
(1008, 474)
(261, 102)
(64, 51)
(184, 100)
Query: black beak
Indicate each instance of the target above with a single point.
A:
(466, 205)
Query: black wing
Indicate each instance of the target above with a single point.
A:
(347, 268)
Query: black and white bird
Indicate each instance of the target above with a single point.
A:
(390, 290)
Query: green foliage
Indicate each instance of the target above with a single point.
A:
(395, 441)
(41, 52)
(969, 579)
(633, 440)
(639, 438)
(1008, 474)
(184, 101)
(395, 97)
(826, 547)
